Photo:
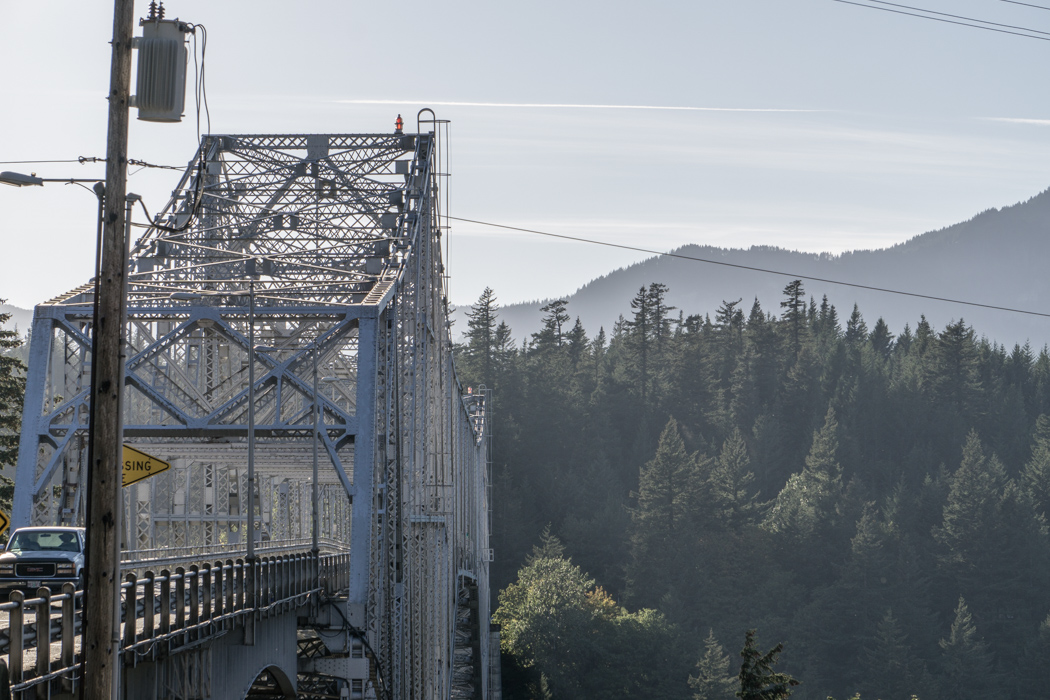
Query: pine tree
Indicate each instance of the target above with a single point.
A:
(966, 662)
(1036, 475)
(856, 329)
(481, 338)
(660, 320)
(889, 667)
(973, 508)
(12, 392)
(667, 494)
(731, 484)
(882, 339)
(713, 680)
(758, 680)
(551, 335)
(794, 316)
(811, 499)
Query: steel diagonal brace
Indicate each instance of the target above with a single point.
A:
(160, 344)
(153, 395)
(333, 454)
(279, 371)
(298, 171)
(75, 333)
(241, 397)
(60, 450)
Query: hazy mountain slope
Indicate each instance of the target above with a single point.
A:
(999, 257)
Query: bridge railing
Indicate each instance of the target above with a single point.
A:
(142, 558)
(161, 614)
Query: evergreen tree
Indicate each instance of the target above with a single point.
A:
(550, 336)
(794, 305)
(667, 494)
(953, 376)
(889, 667)
(713, 680)
(731, 484)
(577, 338)
(12, 392)
(881, 339)
(758, 680)
(811, 499)
(973, 507)
(856, 329)
(660, 320)
(966, 663)
(1036, 475)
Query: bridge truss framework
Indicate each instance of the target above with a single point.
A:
(329, 247)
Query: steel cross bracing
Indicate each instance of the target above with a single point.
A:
(337, 240)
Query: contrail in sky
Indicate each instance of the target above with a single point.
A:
(570, 106)
(1016, 120)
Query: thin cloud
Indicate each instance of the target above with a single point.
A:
(530, 105)
(1015, 120)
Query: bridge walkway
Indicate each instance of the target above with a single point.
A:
(173, 611)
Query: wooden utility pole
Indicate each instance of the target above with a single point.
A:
(101, 640)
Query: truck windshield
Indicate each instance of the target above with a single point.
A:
(44, 541)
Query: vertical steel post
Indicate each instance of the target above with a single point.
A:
(315, 547)
(249, 563)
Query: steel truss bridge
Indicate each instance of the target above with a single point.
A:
(325, 251)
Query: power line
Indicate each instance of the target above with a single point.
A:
(90, 159)
(1027, 4)
(34, 162)
(946, 21)
(969, 19)
(723, 263)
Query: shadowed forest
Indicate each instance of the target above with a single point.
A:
(873, 499)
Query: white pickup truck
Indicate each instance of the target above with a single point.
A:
(42, 556)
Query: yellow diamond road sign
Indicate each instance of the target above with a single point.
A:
(4, 522)
(139, 465)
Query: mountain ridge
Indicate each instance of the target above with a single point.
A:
(994, 258)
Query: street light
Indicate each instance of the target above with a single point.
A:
(22, 180)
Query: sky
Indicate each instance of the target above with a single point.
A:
(812, 125)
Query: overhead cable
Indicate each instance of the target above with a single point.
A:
(767, 271)
(968, 19)
(948, 21)
(1027, 4)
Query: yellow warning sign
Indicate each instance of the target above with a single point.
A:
(4, 522)
(139, 465)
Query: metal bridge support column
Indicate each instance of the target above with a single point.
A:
(361, 502)
(32, 415)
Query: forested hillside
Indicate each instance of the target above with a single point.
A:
(875, 499)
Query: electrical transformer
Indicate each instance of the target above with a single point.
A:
(160, 87)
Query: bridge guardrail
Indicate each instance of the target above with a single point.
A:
(141, 558)
(170, 612)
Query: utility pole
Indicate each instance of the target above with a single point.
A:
(101, 646)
